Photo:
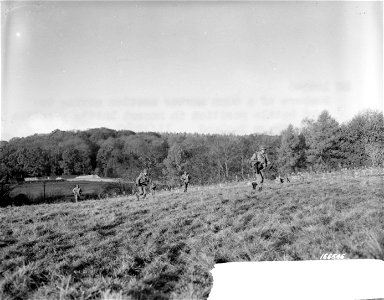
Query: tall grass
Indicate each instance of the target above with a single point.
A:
(163, 247)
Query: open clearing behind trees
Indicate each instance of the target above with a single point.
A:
(164, 247)
(62, 190)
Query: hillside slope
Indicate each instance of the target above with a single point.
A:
(164, 247)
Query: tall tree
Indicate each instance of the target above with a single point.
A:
(199, 163)
(323, 138)
(150, 149)
(109, 156)
(362, 137)
(375, 151)
(227, 154)
(75, 156)
(33, 161)
(6, 165)
(174, 164)
(291, 153)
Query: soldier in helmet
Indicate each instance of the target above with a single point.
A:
(259, 162)
(141, 183)
(185, 178)
(76, 192)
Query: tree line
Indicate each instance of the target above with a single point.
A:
(318, 145)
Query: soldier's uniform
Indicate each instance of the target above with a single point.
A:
(185, 178)
(153, 187)
(259, 161)
(76, 192)
(141, 183)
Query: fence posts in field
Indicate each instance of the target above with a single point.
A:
(44, 182)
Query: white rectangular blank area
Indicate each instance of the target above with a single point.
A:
(316, 279)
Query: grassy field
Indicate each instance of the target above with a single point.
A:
(163, 247)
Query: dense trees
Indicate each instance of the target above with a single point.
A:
(32, 161)
(174, 164)
(363, 139)
(291, 153)
(149, 149)
(323, 144)
(323, 138)
(75, 156)
(109, 157)
(320, 144)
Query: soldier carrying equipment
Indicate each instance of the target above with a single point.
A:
(259, 162)
(76, 192)
(141, 183)
(185, 178)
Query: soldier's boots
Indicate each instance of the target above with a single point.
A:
(142, 195)
(254, 186)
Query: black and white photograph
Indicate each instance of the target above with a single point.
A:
(144, 142)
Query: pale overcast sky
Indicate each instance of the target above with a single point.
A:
(209, 67)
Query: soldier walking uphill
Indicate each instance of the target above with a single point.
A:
(185, 178)
(259, 161)
(76, 192)
(141, 183)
